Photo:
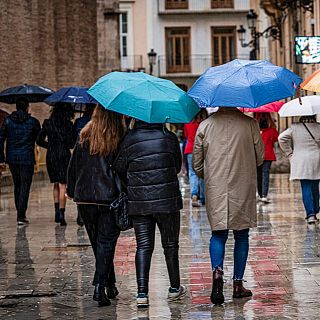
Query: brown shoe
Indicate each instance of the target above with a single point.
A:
(239, 291)
(195, 202)
(217, 286)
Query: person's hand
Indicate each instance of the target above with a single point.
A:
(2, 166)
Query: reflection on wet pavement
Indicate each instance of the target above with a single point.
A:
(46, 270)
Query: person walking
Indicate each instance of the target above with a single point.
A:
(149, 160)
(227, 150)
(91, 185)
(57, 137)
(196, 184)
(78, 125)
(19, 130)
(301, 144)
(269, 136)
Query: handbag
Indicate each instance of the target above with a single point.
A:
(119, 206)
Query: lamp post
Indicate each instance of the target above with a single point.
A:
(272, 31)
(152, 56)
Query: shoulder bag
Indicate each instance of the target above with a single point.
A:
(312, 136)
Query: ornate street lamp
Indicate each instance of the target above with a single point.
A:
(152, 56)
(252, 19)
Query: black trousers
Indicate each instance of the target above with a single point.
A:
(144, 227)
(103, 233)
(22, 179)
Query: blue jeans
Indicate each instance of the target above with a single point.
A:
(240, 253)
(310, 196)
(195, 182)
(263, 178)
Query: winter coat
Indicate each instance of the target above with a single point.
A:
(302, 151)
(58, 139)
(90, 179)
(20, 131)
(190, 130)
(227, 150)
(149, 160)
(269, 137)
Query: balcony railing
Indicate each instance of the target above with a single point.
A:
(204, 6)
(197, 65)
(132, 63)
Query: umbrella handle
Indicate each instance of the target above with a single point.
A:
(298, 93)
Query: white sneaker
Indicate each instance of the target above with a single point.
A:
(175, 294)
(265, 200)
(142, 300)
(312, 220)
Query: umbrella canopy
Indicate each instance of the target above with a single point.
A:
(309, 107)
(270, 107)
(75, 95)
(244, 83)
(312, 83)
(144, 97)
(30, 92)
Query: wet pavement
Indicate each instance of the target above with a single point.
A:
(46, 270)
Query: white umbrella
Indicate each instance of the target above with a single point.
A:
(309, 107)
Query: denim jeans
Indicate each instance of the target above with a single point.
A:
(196, 184)
(240, 253)
(22, 179)
(144, 228)
(310, 196)
(103, 234)
(263, 178)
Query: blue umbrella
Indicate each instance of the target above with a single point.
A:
(30, 92)
(75, 95)
(244, 83)
(144, 97)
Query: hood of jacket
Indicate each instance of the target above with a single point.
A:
(19, 116)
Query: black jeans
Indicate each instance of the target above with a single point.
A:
(22, 179)
(103, 233)
(144, 227)
(263, 174)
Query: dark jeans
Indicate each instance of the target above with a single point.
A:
(103, 234)
(263, 178)
(240, 252)
(310, 196)
(144, 227)
(22, 179)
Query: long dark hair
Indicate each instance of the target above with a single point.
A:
(61, 113)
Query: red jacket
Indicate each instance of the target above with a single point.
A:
(269, 137)
(190, 130)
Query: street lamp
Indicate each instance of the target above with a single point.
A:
(272, 31)
(152, 56)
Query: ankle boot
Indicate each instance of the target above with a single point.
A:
(100, 296)
(62, 219)
(217, 286)
(239, 291)
(57, 213)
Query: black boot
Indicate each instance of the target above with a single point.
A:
(112, 292)
(217, 286)
(57, 212)
(100, 296)
(79, 220)
(62, 219)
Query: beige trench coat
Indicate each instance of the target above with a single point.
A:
(227, 150)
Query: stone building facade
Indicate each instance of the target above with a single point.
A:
(57, 43)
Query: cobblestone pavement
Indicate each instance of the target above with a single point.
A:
(46, 270)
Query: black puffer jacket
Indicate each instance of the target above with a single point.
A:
(149, 160)
(90, 179)
(20, 131)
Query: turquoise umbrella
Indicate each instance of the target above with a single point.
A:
(144, 97)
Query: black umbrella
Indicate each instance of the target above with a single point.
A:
(29, 92)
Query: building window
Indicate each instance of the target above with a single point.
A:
(216, 4)
(124, 33)
(176, 4)
(178, 49)
(223, 44)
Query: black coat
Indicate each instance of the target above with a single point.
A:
(20, 131)
(90, 179)
(149, 160)
(58, 139)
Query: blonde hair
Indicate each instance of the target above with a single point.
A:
(103, 132)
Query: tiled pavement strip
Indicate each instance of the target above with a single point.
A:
(46, 270)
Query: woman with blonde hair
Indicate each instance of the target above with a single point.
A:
(91, 185)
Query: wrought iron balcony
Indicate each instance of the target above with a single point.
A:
(132, 63)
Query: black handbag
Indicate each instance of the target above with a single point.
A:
(120, 205)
